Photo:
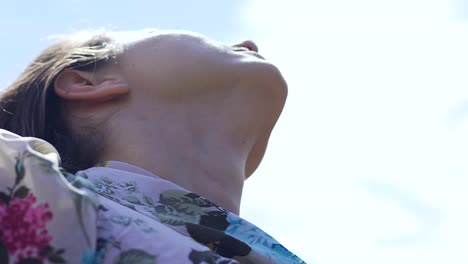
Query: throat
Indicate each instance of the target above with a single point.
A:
(217, 175)
(217, 179)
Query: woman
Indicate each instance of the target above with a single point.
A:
(175, 123)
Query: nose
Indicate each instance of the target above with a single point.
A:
(248, 44)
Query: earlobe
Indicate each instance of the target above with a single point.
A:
(81, 85)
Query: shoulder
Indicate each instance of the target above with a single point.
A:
(32, 188)
(12, 142)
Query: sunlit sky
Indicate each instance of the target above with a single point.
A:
(368, 161)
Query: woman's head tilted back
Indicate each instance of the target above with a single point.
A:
(31, 108)
(95, 96)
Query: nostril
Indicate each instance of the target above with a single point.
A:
(248, 44)
(251, 45)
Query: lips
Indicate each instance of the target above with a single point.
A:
(255, 54)
(248, 51)
(240, 49)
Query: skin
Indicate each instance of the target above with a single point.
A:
(184, 107)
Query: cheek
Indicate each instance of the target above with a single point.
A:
(195, 67)
(178, 78)
(175, 70)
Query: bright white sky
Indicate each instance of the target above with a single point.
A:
(368, 162)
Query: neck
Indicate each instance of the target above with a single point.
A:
(208, 172)
(206, 143)
(196, 153)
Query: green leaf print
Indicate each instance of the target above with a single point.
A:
(128, 186)
(3, 253)
(172, 217)
(106, 180)
(144, 226)
(47, 250)
(56, 259)
(135, 256)
(30, 261)
(148, 200)
(19, 169)
(133, 199)
(42, 147)
(208, 257)
(189, 209)
(178, 198)
(128, 205)
(22, 192)
(5, 198)
(121, 220)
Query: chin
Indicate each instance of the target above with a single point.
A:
(273, 91)
(276, 87)
(268, 77)
(281, 84)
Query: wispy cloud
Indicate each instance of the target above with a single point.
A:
(373, 85)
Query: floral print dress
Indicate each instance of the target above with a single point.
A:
(114, 213)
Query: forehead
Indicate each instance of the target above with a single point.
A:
(166, 43)
(129, 38)
(129, 42)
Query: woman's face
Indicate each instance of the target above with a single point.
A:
(176, 64)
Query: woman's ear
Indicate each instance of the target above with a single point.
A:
(81, 85)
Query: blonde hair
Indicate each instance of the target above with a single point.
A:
(29, 106)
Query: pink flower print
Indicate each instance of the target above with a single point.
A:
(23, 227)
